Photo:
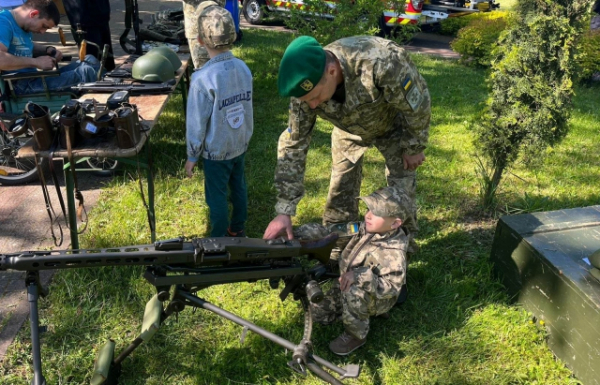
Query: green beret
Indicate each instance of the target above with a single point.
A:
(301, 67)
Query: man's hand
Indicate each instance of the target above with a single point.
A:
(411, 162)
(278, 226)
(189, 168)
(346, 280)
(44, 63)
(58, 56)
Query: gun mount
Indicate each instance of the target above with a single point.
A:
(179, 269)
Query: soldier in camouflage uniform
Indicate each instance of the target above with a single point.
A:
(191, 11)
(373, 94)
(372, 267)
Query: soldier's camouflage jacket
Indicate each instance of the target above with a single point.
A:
(383, 92)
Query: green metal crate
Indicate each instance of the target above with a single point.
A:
(541, 259)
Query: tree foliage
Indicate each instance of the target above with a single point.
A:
(531, 86)
(329, 21)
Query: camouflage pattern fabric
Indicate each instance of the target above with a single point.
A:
(310, 231)
(387, 105)
(379, 265)
(191, 11)
(216, 26)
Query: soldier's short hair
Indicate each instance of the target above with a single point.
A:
(216, 27)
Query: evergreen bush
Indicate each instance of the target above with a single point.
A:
(531, 87)
(478, 38)
(588, 60)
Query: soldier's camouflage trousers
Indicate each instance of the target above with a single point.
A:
(354, 306)
(346, 174)
(198, 53)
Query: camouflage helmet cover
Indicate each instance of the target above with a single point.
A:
(390, 202)
(216, 27)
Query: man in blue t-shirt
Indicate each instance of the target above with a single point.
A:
(18, 52)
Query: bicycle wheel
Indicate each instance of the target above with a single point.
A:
(103, 166)
(15, 171)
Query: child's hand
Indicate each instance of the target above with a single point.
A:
(346, 280)
(189, 167)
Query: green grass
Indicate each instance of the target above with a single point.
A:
(458, 326)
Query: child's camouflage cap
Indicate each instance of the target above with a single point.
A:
(389, 202)
(215, 26)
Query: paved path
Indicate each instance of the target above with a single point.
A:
(24, 224)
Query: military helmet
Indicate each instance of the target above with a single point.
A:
(216, 27)
(153, 68)
(169, 54)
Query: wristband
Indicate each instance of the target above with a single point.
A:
(52, 51)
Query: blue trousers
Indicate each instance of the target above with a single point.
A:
(70, 75)
(223, 178)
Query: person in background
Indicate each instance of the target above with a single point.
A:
(219, 122)
(94, 19)
(18, 52)
(191, 10)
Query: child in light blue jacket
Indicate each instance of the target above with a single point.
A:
(219, 122)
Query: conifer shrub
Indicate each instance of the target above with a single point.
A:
(531, 84)
(478, 38)
(588, 60)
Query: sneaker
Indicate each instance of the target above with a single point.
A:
(240, 234)
(345, 344)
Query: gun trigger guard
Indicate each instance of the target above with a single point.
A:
(297, 367)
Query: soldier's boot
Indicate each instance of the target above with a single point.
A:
(345, 344)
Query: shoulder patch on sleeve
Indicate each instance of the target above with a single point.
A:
(414, 97)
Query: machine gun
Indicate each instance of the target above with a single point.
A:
(185, 268)
(133, 88)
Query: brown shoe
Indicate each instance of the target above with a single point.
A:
(345, 344)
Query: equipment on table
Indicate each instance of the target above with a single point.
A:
(116, 99)
(169, 54)
(39, 119)
(133, 88)
(153, 68)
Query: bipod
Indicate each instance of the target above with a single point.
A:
(302, 358)
(34, 290)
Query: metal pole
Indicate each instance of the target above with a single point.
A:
(32, 297)
(69, 187)
(266, 334)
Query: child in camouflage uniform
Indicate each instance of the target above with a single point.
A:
(372, 267)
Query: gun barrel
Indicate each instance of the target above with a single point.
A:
(199, 252)
(67, 259)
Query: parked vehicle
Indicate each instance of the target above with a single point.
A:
(415, 12)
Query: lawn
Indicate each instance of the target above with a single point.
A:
(458, 326)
